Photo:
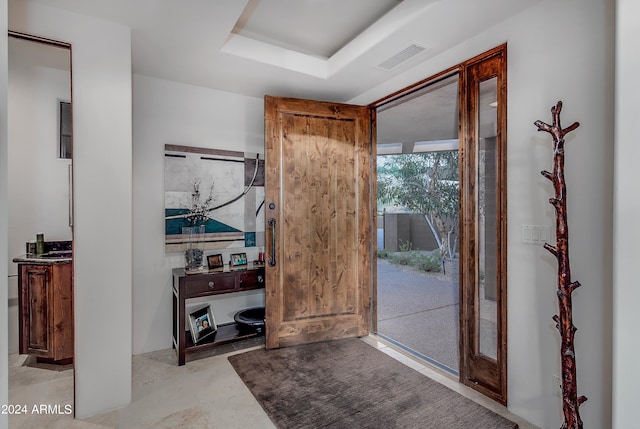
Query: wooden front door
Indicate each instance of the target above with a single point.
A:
(319, 201)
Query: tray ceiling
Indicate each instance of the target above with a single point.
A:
(318, 49)
(310, 27)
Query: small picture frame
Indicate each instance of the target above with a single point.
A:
(202, 324)
(215, 261)
(238, 259)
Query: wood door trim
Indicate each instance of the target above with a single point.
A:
(416, 86)
(467, 212)
(373, 133)
(474, 365)
(272, 315)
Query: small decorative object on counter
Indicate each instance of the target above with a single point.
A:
(260, 260)
(39, 243)
(194, 254)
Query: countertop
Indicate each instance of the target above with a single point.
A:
(51, 258)
(225, 269)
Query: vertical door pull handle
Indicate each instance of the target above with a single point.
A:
(272, 258)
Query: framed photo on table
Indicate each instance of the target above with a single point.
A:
(238, 259)
(215, 261)
(202, 324)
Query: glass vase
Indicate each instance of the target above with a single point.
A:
(194, 251)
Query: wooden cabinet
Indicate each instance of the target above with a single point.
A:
(46, 311)
(186, 286)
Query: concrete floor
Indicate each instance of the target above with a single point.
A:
(206, 393)
(420, 311)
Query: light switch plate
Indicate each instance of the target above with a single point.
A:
(536, 234)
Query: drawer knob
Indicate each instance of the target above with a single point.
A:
(211, 284)
(260, 279)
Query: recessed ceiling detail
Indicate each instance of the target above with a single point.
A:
(402, 57)
(311, 27)
(197, 45)
(259, 33)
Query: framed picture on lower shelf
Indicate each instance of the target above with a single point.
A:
(202, 324)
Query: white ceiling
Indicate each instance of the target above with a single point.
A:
(330, 51)
(317, 29)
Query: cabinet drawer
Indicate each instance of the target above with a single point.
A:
(209, 285)
(253, 279)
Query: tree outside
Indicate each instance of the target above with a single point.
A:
(425, 183)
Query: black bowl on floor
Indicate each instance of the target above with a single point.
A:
(250, 319)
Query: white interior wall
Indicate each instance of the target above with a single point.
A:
(557, 50)
(102, 133)
(174, 113)
(4, 178)
(626, 341)
(38, 179)
(569, 34)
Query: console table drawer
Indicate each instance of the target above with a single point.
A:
(209, 285)
(253, 279)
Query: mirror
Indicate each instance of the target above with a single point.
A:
(39, 201)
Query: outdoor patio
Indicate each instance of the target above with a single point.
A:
(420, 311)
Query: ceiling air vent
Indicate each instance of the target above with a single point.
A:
(401, 57)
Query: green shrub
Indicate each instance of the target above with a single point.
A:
(429, 262)
(420, 259)
(401, 258)
(383, 253)
(404, 246)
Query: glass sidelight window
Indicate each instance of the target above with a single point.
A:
(483, 304)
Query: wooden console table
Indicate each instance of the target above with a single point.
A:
(186, 286)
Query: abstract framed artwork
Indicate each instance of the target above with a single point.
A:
(219, 189)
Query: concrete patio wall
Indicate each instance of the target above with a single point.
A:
(401, 228)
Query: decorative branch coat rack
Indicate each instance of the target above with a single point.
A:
(564, 321)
